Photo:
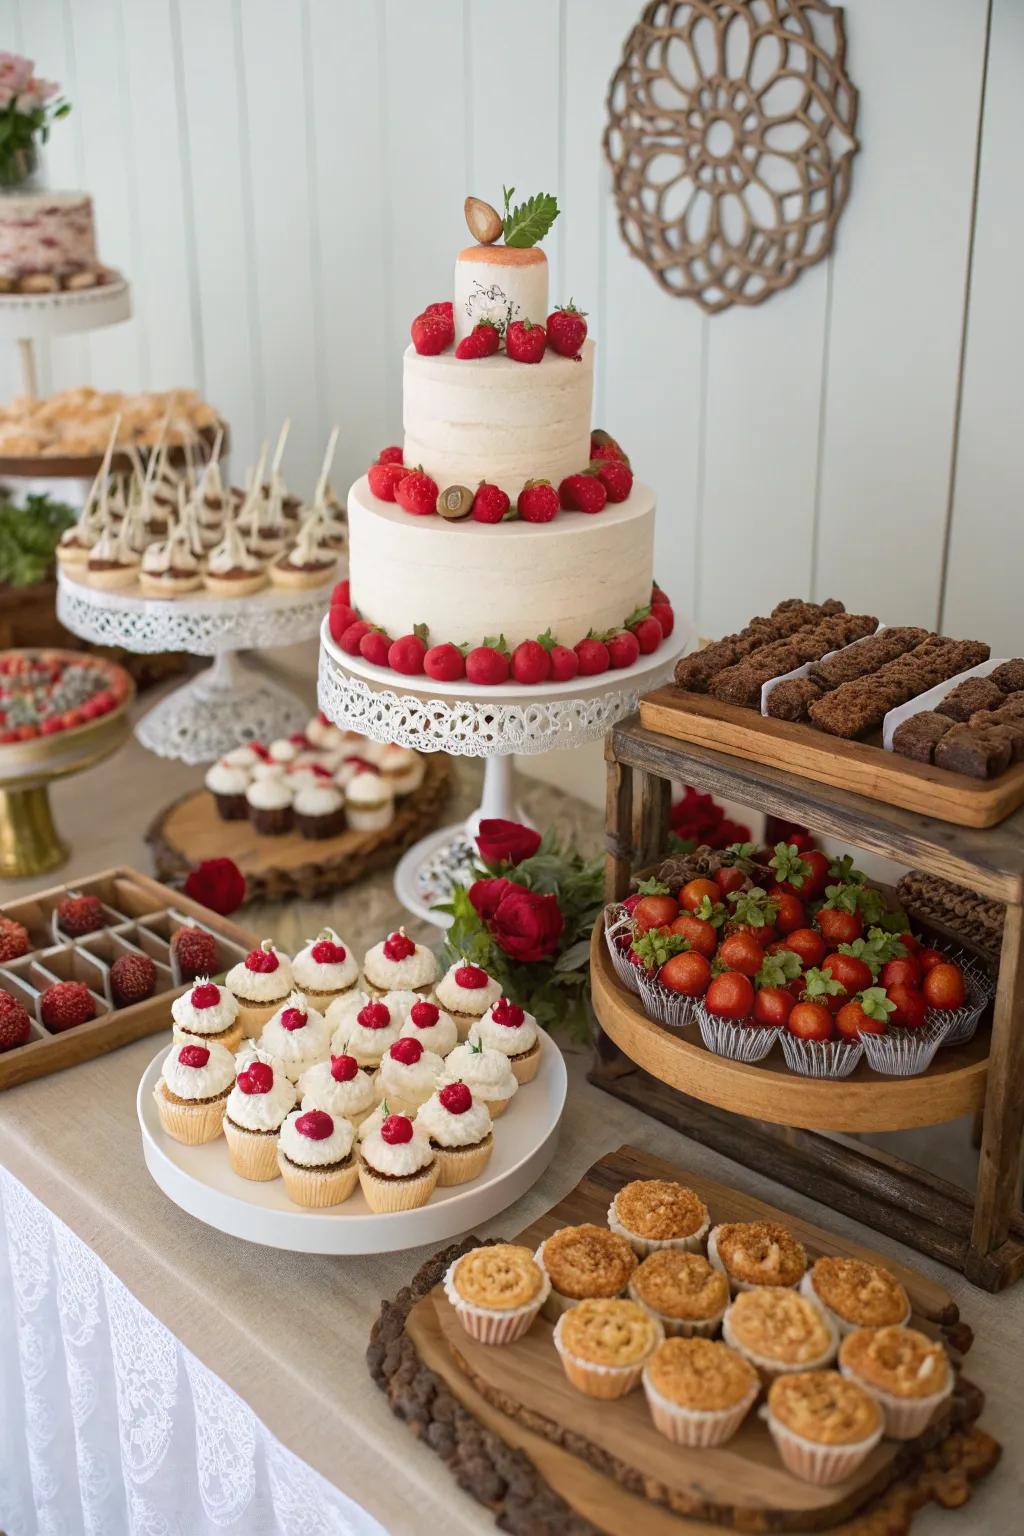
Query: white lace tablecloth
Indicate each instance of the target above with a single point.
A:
(110, 1427)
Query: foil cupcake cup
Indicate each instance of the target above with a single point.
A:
(907, 1052)
(820, 1058)
(662, 1004)
(616, 923)
(739, 1042)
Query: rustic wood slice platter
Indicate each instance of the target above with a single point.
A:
(860, 766)
(542, 1456)
(953, 1085)
(275, 867)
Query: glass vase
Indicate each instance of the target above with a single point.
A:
(21, 169)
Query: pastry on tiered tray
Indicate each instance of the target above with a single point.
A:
(77, 422)
(504, 540)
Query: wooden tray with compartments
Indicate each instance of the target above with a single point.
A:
(541, 1456)
(142, 915)
(861, 766)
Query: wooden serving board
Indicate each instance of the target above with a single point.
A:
(861, 766)
(543, 1456)
(190, 830)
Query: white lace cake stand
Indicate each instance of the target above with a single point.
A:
(28, 317)
(227, 704)
(493, 724)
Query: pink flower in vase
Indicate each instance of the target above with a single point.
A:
(15, 73)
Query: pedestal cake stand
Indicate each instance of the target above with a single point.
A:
(491, 723)
(227, 704)
(30, 317)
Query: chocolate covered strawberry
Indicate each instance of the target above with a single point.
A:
(567, 330)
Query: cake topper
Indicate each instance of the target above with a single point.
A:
(521, 226)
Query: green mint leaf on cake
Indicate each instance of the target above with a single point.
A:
(528, 223)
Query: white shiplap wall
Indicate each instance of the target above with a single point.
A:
(283, 180)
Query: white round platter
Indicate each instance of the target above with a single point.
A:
(201, 1181)
(39, 315)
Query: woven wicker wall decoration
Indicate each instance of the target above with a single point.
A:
(731, 138)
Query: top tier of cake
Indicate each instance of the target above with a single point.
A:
(47, 235)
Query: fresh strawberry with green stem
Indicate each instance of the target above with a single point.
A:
(531, 662)
(623, 649)
(820, 987)
(525, 342)
(753, 908)
(392, 455)
(490, 504)
(432, 332)
(654, 947)
(537, 502)
(616, 477)
(592, 655)
(567, 330)
(487, 665)
(791, 870)
(565, 663)
(582, 493)
(374, 647)
(445, 663)
(483, 341)
(648, 631)
(416, 492)
(867, 1014)
(406, 654)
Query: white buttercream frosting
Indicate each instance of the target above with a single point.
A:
(173, 554)
(241, 757)
(397, 1158)
(204, 1021)
(321, 1090)
(450, 1130)
(342, 1010)
(318, 800)
(325, 976)
(414, 1081)
(283, 750)
(296, 1049)
(485, 1072)
(467, 1000)
(196, 1083)
(375, 1119)
(269, 794)
(441, 1037)
(261, 986)
(368, 1045)
(308, 549)
(415, 971)
(261, 1111)
(222, 778)
(368, 789)
(511, 1040)
(232, 553)
(309, 1153)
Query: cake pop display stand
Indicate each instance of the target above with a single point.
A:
(491, 723)
(30, 317)
(227, 704)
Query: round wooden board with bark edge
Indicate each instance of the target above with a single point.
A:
(190, 829)
(953, 1085)
(536, 1474)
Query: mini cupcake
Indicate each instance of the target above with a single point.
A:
(408, 1075)
(584, 1262)
(295, 1036)
(246, 756)
(487, 1072)
(434, 1029)
(653, 1214)
(756, 1253)
(698, 1392)
(256, 1108)
(269, 803)
(398, 964)
(340, 1086)
(192, 1093)
(370, 803)
(319, 811)
(467, 992)
(315, 1156)
(324, 969)
(370, 1032)
(682, 1291)
(604, 1345)
(496, 1292)
(824, 1427)
(779, 1331)
(268, 769)
(402, 768)
(206, 1013)
(285, 749)
(459, 1128)
(259, 984)
(375, 1119)
(907, 1373)
(505, 1027)
(856, 1294)
(228, 785)
(397, 1166)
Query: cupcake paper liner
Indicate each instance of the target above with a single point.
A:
(606, 1382)
(457, 1165)
(843, 1327)
(488, 1326)
(230, 1039)
(526, 1069)
(662, 1004)
(616, 922)
(253, 1016)
(814, 1463)
(643, 1246)
(699, 1429)
(317, 1188)
(252, 1155)
(735, 1285)
(496, 1107)
(383, 1195)
(679, 1327)
(907, 1052)
(905, 1417)
(739, 1042)
(191, 1124)
(820, 1058)
(768, 1369)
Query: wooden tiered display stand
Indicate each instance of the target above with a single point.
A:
(763, 1116)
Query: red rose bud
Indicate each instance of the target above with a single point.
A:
(344, 1068)
(193, 1055)
(507, 1012)
(526, 925)
(506, 842)
(316, 1124)
(471, 977)
(406, 1050)
(456, 1098)
(374, 1016)
(398, 946)
(424, 1015)
(218, 883)
(486, 894)
(396, 1129)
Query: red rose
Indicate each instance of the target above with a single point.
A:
(525, 925)
(506, 842)
(486, 894)
(218, 884)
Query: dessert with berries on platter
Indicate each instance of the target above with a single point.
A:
(340, 1086)
(316, 1158)
(503, 540)
(48, 243)
(193, 1090)
(47, 693)
(257, 1105)
(207, 1012)
(398, 1168)
(260, 985)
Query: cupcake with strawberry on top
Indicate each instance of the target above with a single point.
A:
(316, 1160)
(507, 1028)
(399, 965)
(340, 1086)
(257, 1105)
(370, 1032)
(459, 1129)
(259, 984)
(296, 1036)
(206, 1013)
(398, 1168)
(486, 1072)
(408, 1075)
(192, 1094)
(325, 969)
(466, 992)
(433, 1028)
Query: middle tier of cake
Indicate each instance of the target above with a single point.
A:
(467, 581)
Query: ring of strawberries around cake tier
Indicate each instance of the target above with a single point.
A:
(492, 663)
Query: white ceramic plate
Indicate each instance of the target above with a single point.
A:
(201, 1181)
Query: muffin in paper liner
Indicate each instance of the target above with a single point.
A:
(736, 1285)
(820, 1058)
(673, 1009)
(962, 1023)
(191, 1124)
(485, 1324)
(383, 1195)
(814, 1463)
(555, 1303)
(526, 1066)
(905, 1417)
(318, 1188)
(907, 1052)
(252, 1154)
(842, 1325)
(730, 1038)
(767, 1368)
(616, 922)
(680, 1328)
(699, 1429)
(606, 1382)
(253, 1016)
(457, 1165)
(644, 1246)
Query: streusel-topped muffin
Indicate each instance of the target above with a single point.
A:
(756, 1253)
(907, 1373)
(604, 1343)
(698, 1392)
(659, 1213)
(585, 1261)
(682, 1290)
(856, 1294)
(823, 1426)
(778, 1330)
(500, 1278)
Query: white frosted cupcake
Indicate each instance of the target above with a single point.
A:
(228, 784)
(370, 801)
(256, 1107)
(434, 1029)
(399, 964)
(324, 969)
(206, 1013)
(192, 1093)
(296, 1036)
(259, 984)
(284, 750)
(319, 810)
(466, 992)
(375, 1119)
(314, 1154)
(402, 768)
(459, 1128)
(269, 804)
(370, 1032)
(397, 1166)
(242, 757)
(507, 1028)
(340, 1086)
(487, 1073)
(408, 1075)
